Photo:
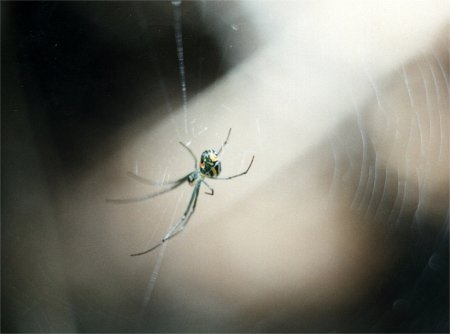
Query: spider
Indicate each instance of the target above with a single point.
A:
(209, 167)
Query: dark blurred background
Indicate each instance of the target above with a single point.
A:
(82, 67)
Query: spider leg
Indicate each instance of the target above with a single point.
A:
(148, 196)
(178, 227)
(147, 251)
(192, 154)
(224, 143)
(232, 177)
(187, 214)
(211, 192)
(152, 183)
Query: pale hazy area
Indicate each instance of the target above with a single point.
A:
(340, 225)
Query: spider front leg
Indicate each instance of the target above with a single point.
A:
(178, 227)
(145, 197)
(153, 183)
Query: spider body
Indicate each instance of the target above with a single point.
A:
(194, 176)
(209, 167)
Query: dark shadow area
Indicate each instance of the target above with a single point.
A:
(73, 75)
(87, 69)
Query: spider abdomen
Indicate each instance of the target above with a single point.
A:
(210, 164)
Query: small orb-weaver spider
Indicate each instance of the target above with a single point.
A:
(210, 166)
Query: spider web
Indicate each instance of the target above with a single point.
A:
(342, 223)
(377, 181)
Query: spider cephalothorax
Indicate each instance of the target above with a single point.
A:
(210, 164)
